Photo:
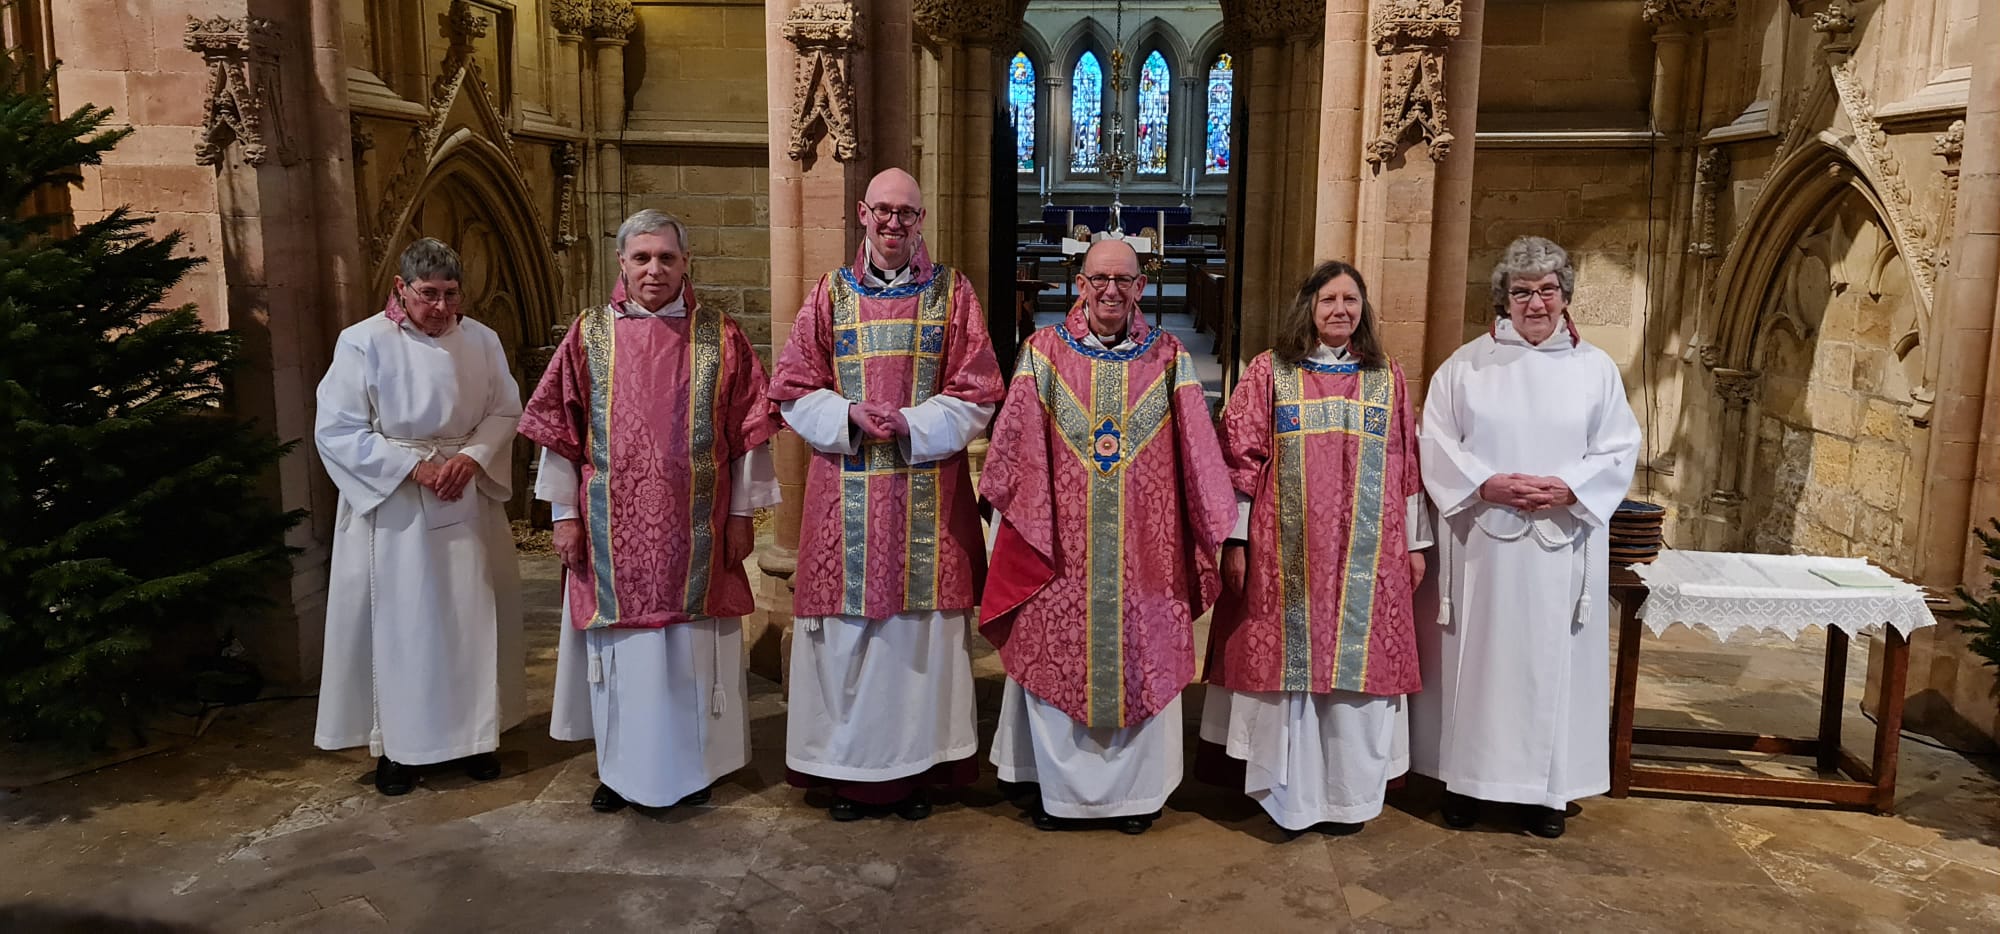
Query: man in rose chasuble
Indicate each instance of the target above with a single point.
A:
(653, 422)
(1110, 499)
(1313, 644)
(888, 375)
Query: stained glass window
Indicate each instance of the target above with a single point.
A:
(1219, 75)
(1154, 85)
(1086, 109)
(1021, 110)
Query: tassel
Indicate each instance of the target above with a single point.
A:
(375, 742)
(715, 701)
(1582, 607)
(596, 669)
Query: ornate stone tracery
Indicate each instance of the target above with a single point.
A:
(1710, 179)
(1911, 229)
(245, 99)
(824, 32)
(1410, 36)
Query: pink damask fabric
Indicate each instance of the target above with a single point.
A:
(1165, 507)
(652, 488)
(1249, 649)
(966, 369)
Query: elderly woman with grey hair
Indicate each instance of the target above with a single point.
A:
(652, 420)
(1528, 446)
(416, 416)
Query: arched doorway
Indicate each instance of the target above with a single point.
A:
(473, 200)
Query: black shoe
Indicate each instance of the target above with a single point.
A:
(1334, 828)
(844, 810)
(915, 807)
(393, 778)
(1136, 824)
(1547, 823)
(699, 797)
(605, 800)
(1049, 822)
(483, 767)
(1460, 811)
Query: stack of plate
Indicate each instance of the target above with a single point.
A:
(1636, 532)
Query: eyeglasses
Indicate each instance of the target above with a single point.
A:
(1548, 293)
(1100, 281)
(435, 297)
(904, 216)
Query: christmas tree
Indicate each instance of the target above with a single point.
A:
(134, 523)
(1985, 625)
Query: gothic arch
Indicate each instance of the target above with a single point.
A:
(1158, 33)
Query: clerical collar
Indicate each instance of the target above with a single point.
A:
(674, 309)
(1321, 353)
(1119, 341)
(876, 277)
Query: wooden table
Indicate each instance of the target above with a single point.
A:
(1867, 785)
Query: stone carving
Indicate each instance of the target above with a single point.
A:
(245, 96)
(1410, 37)
(567, 162)
(1663, 12)
(1836, 22)
(1736, 387)
(612, 19)
(363, 140)
(973, 22)
(824, 32)
(1912, 232)
(1951, 145)
(570, 17)
(462, 24)
(1711, 177)
(1267, 21)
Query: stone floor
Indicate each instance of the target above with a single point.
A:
(249, 828)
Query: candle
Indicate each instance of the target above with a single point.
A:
(1069, 222)
(1159, 233)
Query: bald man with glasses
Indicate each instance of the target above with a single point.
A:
(888, 375)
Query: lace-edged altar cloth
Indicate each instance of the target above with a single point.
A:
(1774, 593)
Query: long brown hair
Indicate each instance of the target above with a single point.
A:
(1298, 335)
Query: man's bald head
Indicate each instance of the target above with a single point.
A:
(892, 217)
(1111, 284)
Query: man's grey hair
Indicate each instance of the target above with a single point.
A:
(1531, 258)
(652, 221)
(429, 258)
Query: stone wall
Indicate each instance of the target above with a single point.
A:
(723, 196)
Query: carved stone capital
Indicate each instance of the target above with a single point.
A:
(1265, 22)
(570, 17)
(825, 32)
(244, 90)
(1410, 36)
(1736, 387)
(612, 19)
(968, 22)
(1676, 12)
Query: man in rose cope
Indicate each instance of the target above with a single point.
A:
(653, 423)
(1110, 501)
(888, 376)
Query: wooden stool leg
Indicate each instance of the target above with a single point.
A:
(1889, 720)
(1625, 696)
(1832, 696)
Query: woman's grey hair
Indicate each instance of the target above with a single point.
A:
(429, 258)
(652, 221)
(1531, 258)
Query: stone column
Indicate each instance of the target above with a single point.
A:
(290, 244)
(611, 21)
(571, 19)
(965, 39)
(823, 53)
(1949, 686)
(1279, 67)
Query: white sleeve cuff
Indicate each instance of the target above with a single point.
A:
(556, 480)
(820, 418)
(1242, 530)
(1417, 527)
(753, 482)
(942, 426)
